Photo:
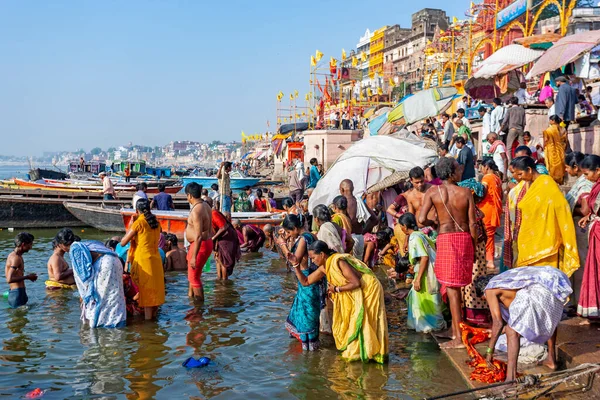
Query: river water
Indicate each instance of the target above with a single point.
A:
(240, 327)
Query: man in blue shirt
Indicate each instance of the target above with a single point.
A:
(314, 174)
(162, 201)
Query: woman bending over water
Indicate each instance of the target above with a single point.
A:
(359, 320)
(303, 320)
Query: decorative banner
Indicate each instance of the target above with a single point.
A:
(350, 74)
(279, 96)
(318, 56)
(510, 13)
(313, 61)
(343, 54)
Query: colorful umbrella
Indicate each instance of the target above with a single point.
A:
(424, 104)
(506, 59)
(566, 50)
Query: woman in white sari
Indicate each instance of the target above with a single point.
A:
(98, 274)
(328, 232)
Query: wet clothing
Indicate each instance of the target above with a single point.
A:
(195, 274)
(17, 297)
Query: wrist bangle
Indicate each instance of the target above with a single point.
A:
(337, 289)
(489, 351)
(294, 266)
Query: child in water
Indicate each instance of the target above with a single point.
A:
(15, 271)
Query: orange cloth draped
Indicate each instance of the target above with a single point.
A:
(481, 373)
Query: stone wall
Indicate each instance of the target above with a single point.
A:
(327, 145)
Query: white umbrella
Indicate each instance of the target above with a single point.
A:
(370, 161)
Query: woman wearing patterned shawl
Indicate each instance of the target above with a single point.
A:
(98, 274)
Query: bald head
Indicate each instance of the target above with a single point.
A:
(458, 121)
(492, 137)
(268, 229)
(346, 187)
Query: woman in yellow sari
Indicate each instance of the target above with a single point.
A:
(146, 266)
(547, 232)
(359, 319)
(555, 144)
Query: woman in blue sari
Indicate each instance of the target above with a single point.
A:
(303, 320)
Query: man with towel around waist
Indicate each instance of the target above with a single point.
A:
(198, 232)
(455, 210)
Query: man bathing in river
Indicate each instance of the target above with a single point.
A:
(15, 271)
(414, 197)
(456, 220)
(198, 232)
(60, 276)
(526, 302)
(176, 256)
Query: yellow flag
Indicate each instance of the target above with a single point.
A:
(291, 96)
(361, 96)
(307, 97)
(279, 96)
(369, 92)
(303, 113)
(332, 62)
(243, 134)
(379, 91)
(392, 82)
(343, 54)
(371, 74)
(428, 42)
(295, 93)
(442, 32)
(363, 56)
(454, 20)
(353, 102)
(310, 111)
(279, 120)
(313, 62)
(354, 61)
(318, 56)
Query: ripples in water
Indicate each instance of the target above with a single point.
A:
(240, 327)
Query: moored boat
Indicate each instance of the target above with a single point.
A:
(176, 221)
(85, 188)
(238, 181)
(97, 216)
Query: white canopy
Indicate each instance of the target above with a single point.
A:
(506, 59)
(368, 162)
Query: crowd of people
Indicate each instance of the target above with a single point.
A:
(441, 244)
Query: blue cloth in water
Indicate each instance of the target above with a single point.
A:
(17, 297)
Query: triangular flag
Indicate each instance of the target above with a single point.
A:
(454, 20)
(318, 56)
(332, 62)
(343, 54)
(295, 93)
(291, 96)
(363, 55)
(379, 91)
(354, 61)
(313, 62)
(307, 97)
(392, 82)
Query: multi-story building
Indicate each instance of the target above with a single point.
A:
(409, 67)
(376, 47)
(393, 37)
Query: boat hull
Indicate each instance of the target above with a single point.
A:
(175, 222)
(88, 188)
(104, 219)
(206, 182)
(24, 213)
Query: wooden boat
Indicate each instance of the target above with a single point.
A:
(39, 173)
(97, 188)
(176, 221)
(238, 181)
(102, 218)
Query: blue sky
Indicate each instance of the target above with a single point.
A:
(80, 74)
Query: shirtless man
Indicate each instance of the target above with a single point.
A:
(374, 203)
(60, 276)
(358, 229)
(414, 197)
(456, 220)
(198, 232)
(15, 271)
(176, 256)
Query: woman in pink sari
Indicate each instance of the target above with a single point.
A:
(589, 298)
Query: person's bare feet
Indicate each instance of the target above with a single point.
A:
(549, 363)
(447, 334)
(453, 344)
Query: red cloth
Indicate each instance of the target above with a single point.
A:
(589, 297)
(260, 205)
(454, 259)
(218, 220)
(195, 274)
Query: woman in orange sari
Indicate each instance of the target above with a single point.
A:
(555, 144)
(491, 206)
(146, 266)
